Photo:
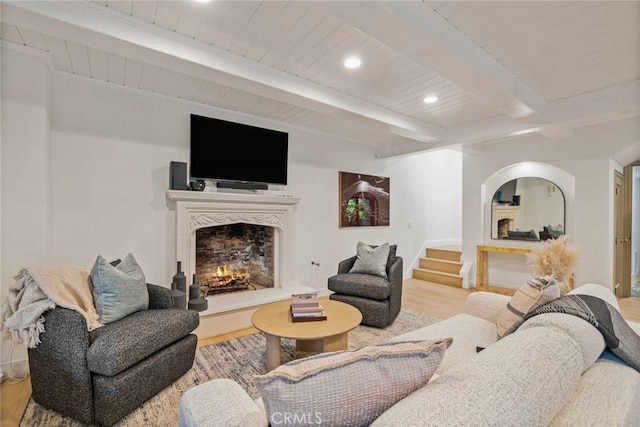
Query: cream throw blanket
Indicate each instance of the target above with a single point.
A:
(37, 290)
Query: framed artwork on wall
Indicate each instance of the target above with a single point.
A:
(364, 200)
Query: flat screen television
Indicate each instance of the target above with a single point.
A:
(227, 151)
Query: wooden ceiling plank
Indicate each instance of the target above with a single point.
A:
(133, 73)
(203, 94)
(308, 42)
(236, 22)
(145, 9)
(277, 29)
(32, 38)
(255, 30)
(168, 14)
(59, 54)
(98, 64)
(217, 14)
(306, 22)
(10, 33)
(322, 48)
(116, 65)
(194, 86)
(121, 5)
(149, 76)
(336, 55)
(79, 57)
(165, 81)
(193, 13)
(178, 85)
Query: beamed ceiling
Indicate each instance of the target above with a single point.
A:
(498, 68)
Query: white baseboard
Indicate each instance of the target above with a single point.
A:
(415, 262)
(21, 366)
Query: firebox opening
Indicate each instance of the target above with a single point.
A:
(504, 226)
(233, 258)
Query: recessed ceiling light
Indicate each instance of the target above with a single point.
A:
(430, 99)
(352, 62)
(203, 1)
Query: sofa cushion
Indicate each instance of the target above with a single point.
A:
(120, 345)
(349, 387)
(360, 285)
(468, 333)
(118, 291)
(597, 291)
(371, 260)
(589, 339)
(608, 395)
(221, 398)
(522, 380)
(532, 294)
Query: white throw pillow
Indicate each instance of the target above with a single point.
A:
(371, 260)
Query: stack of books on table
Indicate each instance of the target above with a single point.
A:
(306, 308)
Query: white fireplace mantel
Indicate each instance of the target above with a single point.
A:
(210, 196)
(195, 210)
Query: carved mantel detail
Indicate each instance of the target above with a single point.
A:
(201, 220)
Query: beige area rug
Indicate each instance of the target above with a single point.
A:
(239, 359)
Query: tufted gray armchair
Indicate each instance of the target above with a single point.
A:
(378, 299)
(100, 376)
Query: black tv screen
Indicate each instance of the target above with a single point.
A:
(227, 151)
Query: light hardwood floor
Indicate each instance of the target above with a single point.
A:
(438, 300)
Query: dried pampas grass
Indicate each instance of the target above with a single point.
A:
(556, 258)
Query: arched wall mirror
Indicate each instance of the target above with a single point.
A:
(528, 208)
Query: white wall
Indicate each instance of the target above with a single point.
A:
(585, 157)
(26, 232)
(97, 185)
(110, 151)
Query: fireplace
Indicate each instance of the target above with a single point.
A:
(503, 217)
(254, 217)
(235, 258)
(504, 226)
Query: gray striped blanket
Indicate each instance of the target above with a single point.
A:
(618, 335)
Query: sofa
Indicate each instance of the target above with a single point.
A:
(100, 376)
(551, 371)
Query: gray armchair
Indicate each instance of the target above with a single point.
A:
(378, 299)
(98, 377)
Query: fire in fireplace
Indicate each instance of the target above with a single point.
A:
(235, 257)
(227, 280)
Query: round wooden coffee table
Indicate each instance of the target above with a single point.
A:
(322, 336)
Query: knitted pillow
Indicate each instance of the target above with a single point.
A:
(532, 294)
(371, 260)
(118, 291)
(349, 387)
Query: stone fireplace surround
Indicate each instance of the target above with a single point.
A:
(195, 210)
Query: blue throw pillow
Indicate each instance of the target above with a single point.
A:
(118, 291)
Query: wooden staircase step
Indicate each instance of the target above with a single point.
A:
(449, 279)
(445, 254)
(441, 265)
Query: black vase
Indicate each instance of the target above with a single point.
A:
(180, 283)
(179, 297)
(194, 289)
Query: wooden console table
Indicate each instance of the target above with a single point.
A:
(482, 268)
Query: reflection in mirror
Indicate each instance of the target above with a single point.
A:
(527, 209)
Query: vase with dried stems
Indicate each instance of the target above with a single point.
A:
(554, 257)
